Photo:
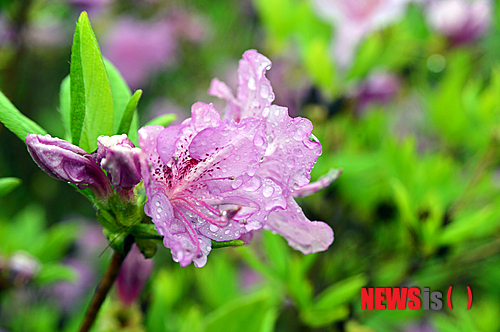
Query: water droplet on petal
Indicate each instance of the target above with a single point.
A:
(264, 91)
(251, 83)
(227, 231)
(237, 234)
(252, 184)
(236, 183)
(298, 152)
(213, 228)
(267, 191)
(157, 203)
(265, 112)
(258, 140)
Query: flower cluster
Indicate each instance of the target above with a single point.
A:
(209, 178)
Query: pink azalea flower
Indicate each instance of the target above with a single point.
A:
(354, 19)
(461, 21)
(220, 179)
(140, 48)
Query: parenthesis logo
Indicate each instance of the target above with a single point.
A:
(470, 297)
(449, 297)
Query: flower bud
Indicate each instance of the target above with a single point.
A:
(67, 162)
(120, 159)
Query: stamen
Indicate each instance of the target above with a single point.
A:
(191, 232)
(226, 178)
(199, 213)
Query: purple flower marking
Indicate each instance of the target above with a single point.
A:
(219, 179)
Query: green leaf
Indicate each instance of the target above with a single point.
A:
(51, 273)
(341, 292)
(15, 121)
(162, 120)
(8, 184)
(277, 251)
(65, 106)
(91, 112)
(129, 113)
(331, 304)
(223, 244)
(121, 94)
(254, 313)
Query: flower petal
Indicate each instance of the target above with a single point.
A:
(292, 150)
(301, 233)
(254, 90)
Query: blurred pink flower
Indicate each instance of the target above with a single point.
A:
(459, 20)
(379, 87)
(135, 271)
(139, 48)
(354, 19)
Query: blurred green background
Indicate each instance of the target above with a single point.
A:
(404, 97)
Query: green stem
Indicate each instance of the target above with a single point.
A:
(105, 285)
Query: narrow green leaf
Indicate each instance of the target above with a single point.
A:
(162, 120)
(129, 113)
(134, 127)
(244, 314)
(8, 184)
(121, 94)
(15, 121)
(77, 87)
(232, 243)
(65, 106)
(341, 292)
(91, 95)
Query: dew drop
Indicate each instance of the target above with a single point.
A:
(159, 210)
(252, 184)
(237, 234)
(203, 142)
(265, 112)
(267, 191)
(157, 203)
(258, 140)
(299, 133)
(213, 228)
(236, 183)
(251, 83)
(227, 231)
(298, 152)
(264, 91)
